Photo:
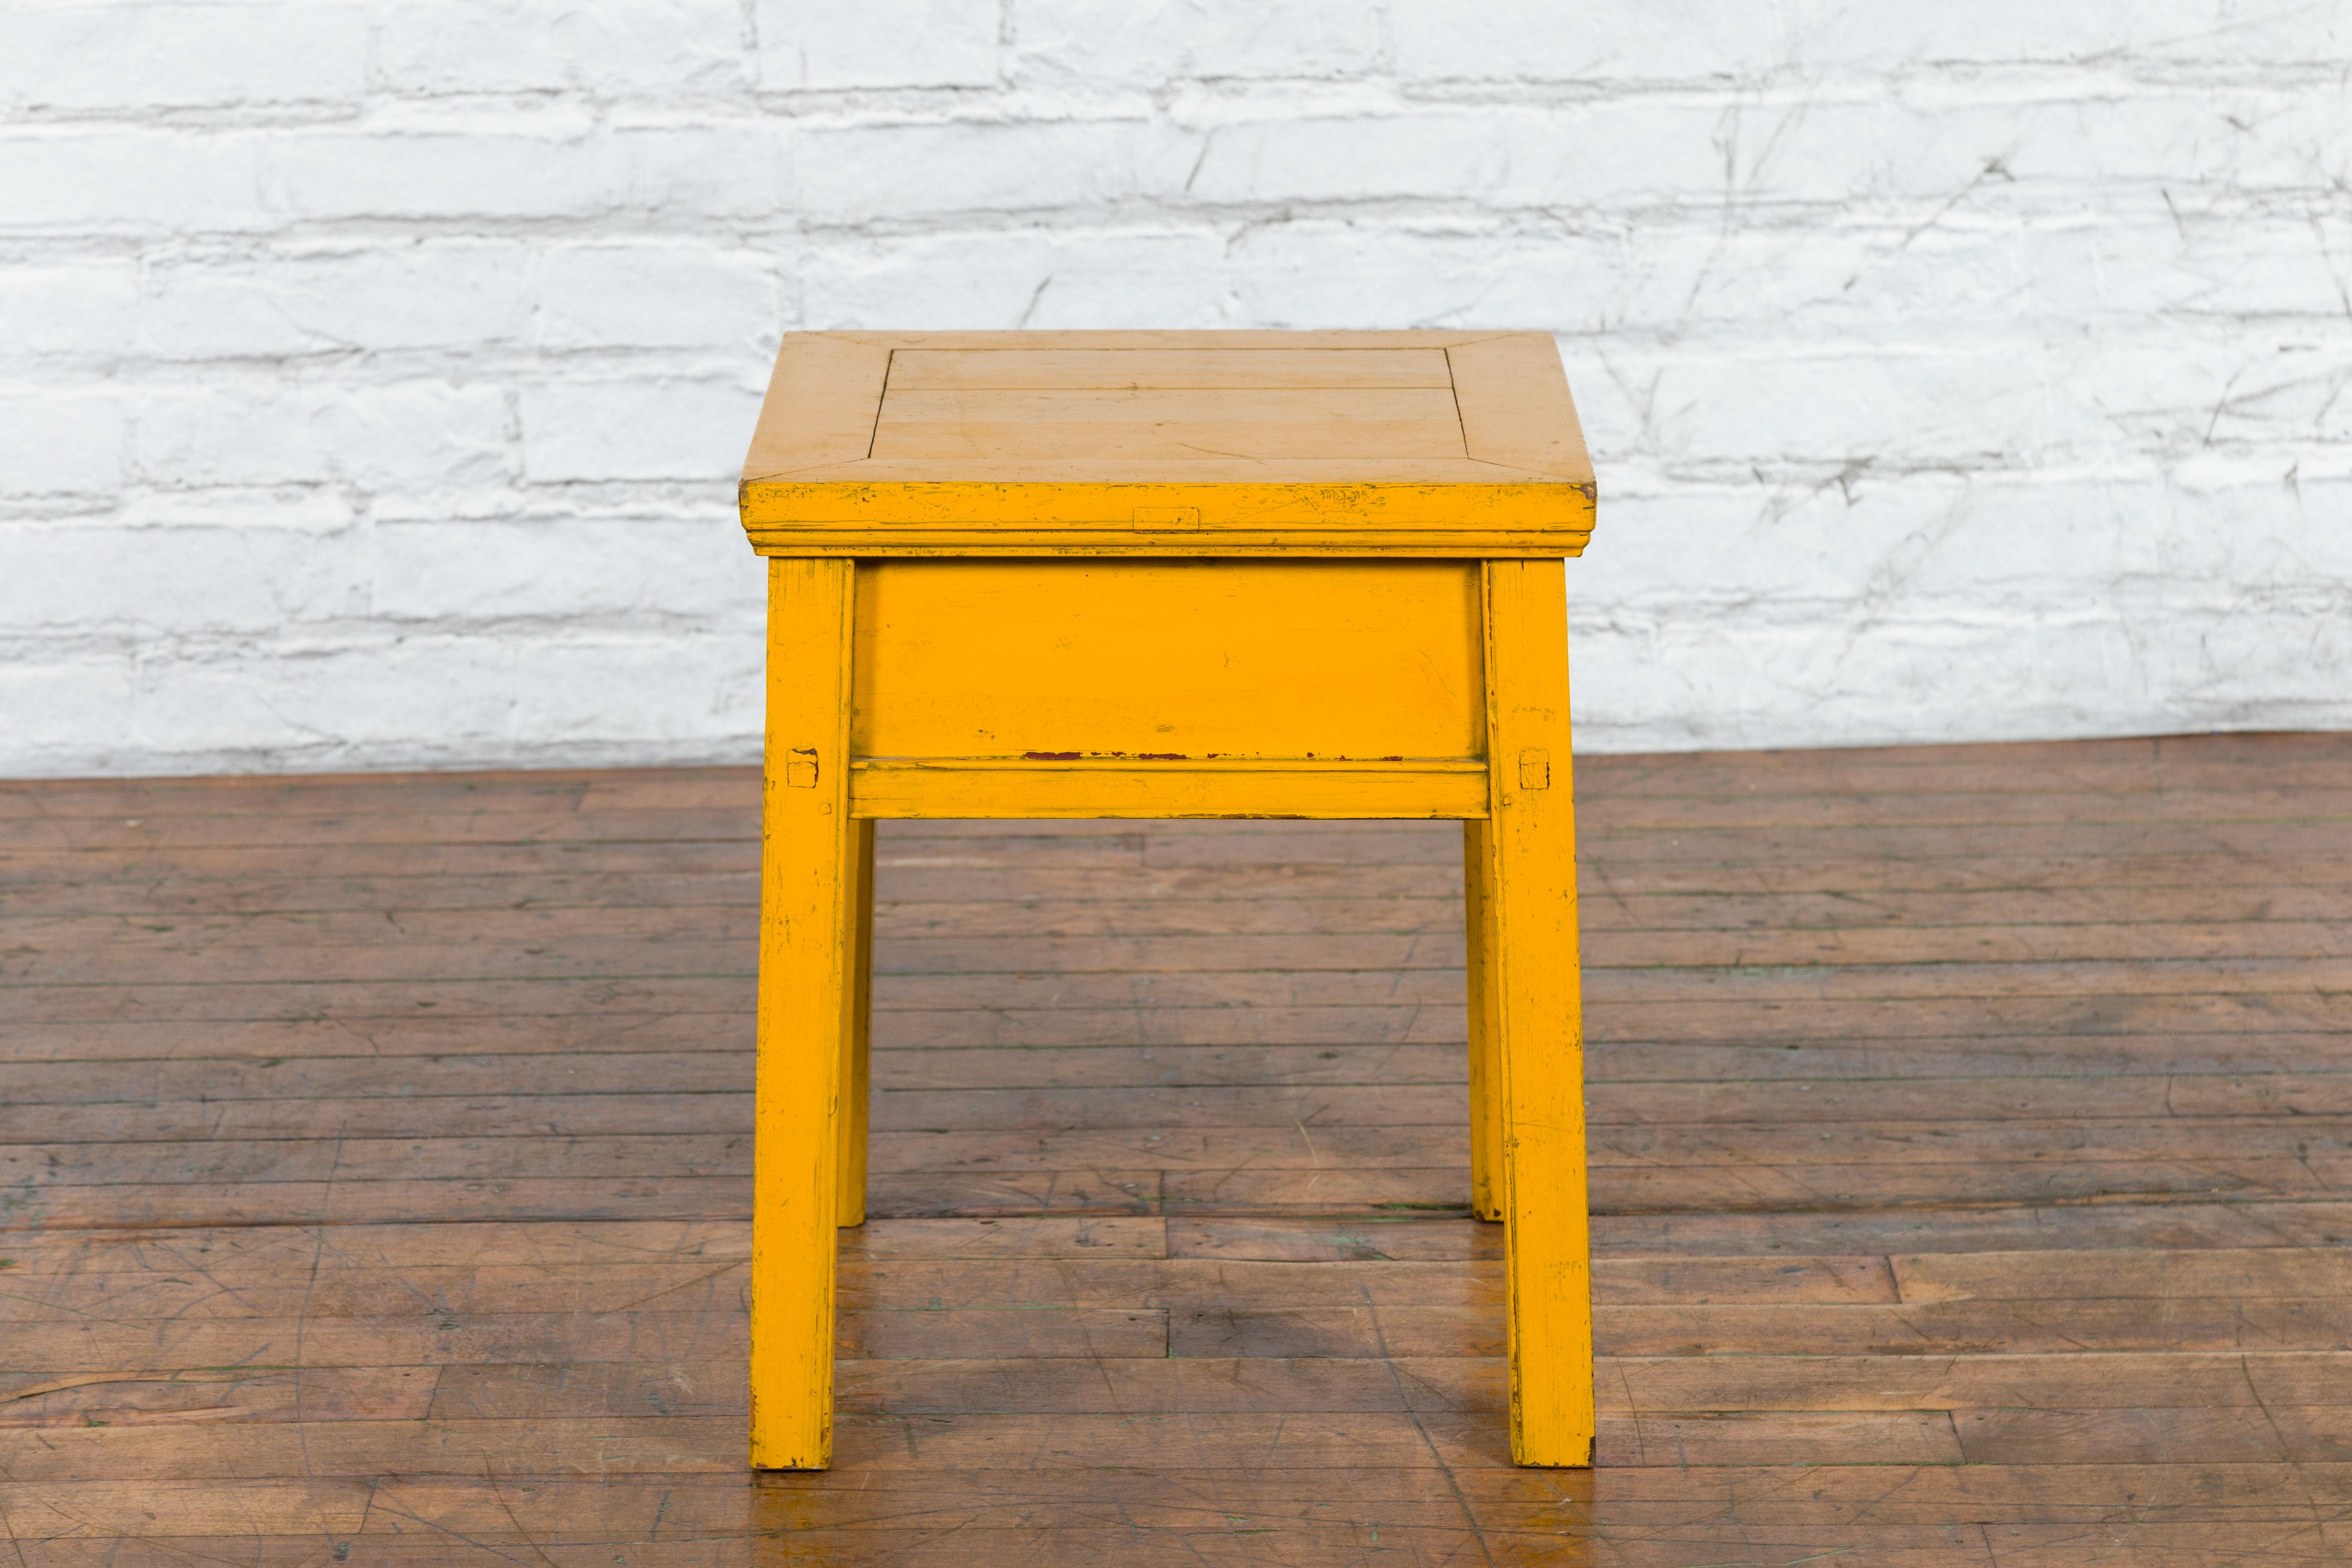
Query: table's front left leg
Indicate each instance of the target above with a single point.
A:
(1531, 918)
(807, 1002)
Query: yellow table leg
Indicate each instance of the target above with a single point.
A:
(857, 936)
(808, 877)
(1485, 1030)
(1530, 902)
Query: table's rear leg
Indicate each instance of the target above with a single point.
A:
(1485, 1032)
(857, 1034)
(808, 877)
(1530, 892)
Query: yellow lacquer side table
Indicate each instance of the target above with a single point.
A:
(1158, 575)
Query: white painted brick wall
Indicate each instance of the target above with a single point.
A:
(373, 372)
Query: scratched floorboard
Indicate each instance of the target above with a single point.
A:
(1972, 1140)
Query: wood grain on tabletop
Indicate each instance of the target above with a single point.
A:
(1967, 1129)
(1453, 444)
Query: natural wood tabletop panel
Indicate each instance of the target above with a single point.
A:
(1212, 444)
(1167, 369)
(1322, 409)
(1966, 1128)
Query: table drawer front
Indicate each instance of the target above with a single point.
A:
(1166, 659)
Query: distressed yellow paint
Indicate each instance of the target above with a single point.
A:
(806, 1000)
(1196, 659)
(953, 787)
(1258, 574)
(1289, 521)
(857, 1077)
(1480, 943)
(1533, 1008)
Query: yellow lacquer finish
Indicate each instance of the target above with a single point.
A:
(1156, 575)
(1531, 1013)
(1169, 659)
(808, 1002)
(951, 787)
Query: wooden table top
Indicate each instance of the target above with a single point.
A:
(1431, 444)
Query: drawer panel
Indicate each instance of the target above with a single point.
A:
(1120, 658)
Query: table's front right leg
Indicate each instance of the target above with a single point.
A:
(808, 884)
(1530, 918)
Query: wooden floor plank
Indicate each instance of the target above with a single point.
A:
(1169, 1086)
(1393, 934)
(710, 1093)
(2307, 1156)
(1012, 900)
(994, 906)
(1968, 1128)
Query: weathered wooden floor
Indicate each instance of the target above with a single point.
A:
(1970, 1134)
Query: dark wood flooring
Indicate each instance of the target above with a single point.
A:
(1971, 1142)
